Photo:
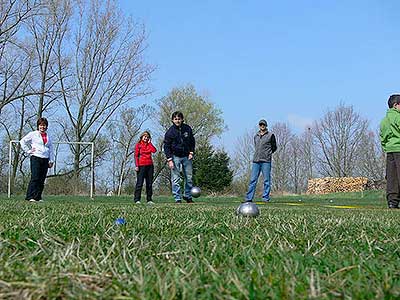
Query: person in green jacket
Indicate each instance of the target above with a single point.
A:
(390, 141)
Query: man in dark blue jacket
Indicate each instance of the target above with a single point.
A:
(179, 144)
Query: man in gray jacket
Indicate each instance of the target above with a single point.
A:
(264, 145)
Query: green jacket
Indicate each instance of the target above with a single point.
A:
(390, 131)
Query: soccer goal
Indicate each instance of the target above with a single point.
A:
(13, 143)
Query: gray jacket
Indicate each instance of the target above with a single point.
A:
(264, 146)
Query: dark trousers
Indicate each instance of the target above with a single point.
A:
(393, 179)
(39, 167)
(144, 173)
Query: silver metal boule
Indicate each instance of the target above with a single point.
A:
(195, 191)
(248, 209)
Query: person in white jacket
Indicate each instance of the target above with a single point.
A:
(39, 146)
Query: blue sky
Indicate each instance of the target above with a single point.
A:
(285, 61)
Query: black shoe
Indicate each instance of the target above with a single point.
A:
(188, 200)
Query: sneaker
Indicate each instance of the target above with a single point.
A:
(392, 206)
(266, 200)
(188, 200)
(178, 201)
(137, 202)
(41, 200)
(32, 200)
(150, 202)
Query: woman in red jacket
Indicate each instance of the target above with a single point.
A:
(144, 167)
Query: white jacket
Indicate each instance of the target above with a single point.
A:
(32, 144)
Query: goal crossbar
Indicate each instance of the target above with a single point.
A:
(56, 143)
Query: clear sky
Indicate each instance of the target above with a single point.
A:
(285, 61)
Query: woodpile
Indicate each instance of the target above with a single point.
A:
(376, 185)
(329, 185)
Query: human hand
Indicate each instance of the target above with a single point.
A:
(32, 150)
(190, 156)
(51, 164)
(137, 169)
(170, 164)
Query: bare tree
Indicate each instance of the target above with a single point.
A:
(242, 159)
(107, 71)
(125, 133)
(12, 14)
(16, 55)
(48, 31)
(338, 135)
(26, 55)
(296, 171)
(281, 159)
(17, 119)
(371, 160)
(15, 74)
(307, 153)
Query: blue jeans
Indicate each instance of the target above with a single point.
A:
(265, 169)
(185, 164)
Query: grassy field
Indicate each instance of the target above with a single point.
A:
(342, 246)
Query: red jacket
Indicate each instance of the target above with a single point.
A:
(143, 153)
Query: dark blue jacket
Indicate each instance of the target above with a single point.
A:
(179, 141)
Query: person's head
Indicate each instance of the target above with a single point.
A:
(177, 118)
(145, 136)
(263, 125)
(394, 101)
(42, 124)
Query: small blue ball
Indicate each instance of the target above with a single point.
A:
(120, 221)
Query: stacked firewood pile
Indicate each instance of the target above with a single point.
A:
(375, 185)
(335, 185)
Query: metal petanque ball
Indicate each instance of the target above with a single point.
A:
(120, 221)
(195, 191)
(248, 209)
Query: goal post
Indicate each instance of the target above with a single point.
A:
(91, 144)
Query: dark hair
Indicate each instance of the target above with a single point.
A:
(178, 114)
(42, 121)
(393, 99)
(145, 133)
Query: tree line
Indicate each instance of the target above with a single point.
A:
(78, 63)
(339, 144)
(82, 64)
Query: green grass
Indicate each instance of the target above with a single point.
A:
(69, 247)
